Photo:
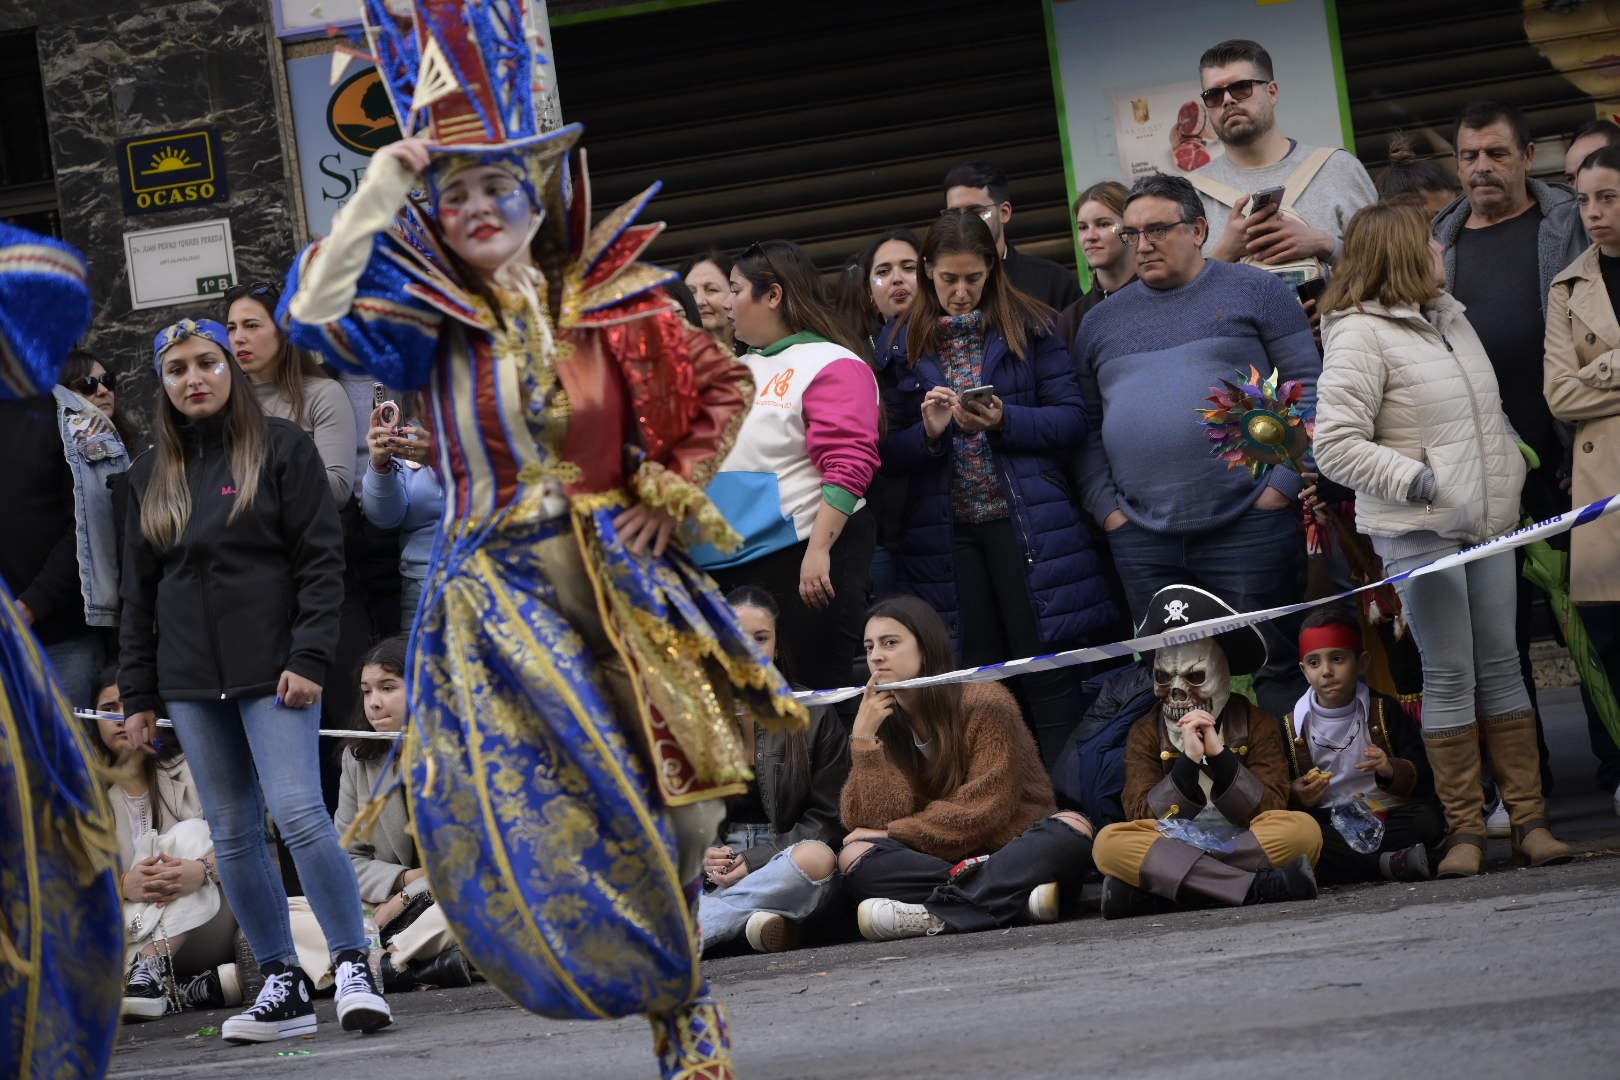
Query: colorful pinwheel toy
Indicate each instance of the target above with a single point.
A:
(1259, 424)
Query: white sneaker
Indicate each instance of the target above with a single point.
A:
(1617, 800)
(1043, 903)
(767, 931)
(891, 920)
(1498, 826)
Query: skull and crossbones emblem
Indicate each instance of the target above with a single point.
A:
(1175, 611)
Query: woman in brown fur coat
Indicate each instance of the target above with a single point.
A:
(939, 777)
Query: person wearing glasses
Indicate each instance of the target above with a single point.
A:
(1148, 358)
(61, 557)
(794, 484)
(1325, 187)
(290, 384)
(983, 415)
(981, 188)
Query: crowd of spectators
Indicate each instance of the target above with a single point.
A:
(956, 456)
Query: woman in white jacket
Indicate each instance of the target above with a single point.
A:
(1409, 415)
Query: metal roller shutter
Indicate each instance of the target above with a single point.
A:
(1411, 64)
(822, 123)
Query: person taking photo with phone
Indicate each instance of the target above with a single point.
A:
(984, 412)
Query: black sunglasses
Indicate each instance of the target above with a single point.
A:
(756, 248)
(1242, 90)
(252, 288)
(87, 385)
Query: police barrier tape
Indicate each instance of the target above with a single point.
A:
(1006, 669)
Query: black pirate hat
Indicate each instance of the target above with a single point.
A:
(1176, 607)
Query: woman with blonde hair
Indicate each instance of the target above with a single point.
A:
(233, 575)
(1410, 417)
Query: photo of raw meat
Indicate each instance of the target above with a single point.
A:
(1187, 137)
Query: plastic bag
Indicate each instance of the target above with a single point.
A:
(1211, 833)
(1361, 828)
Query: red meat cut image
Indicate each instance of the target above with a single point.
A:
(1188, 149)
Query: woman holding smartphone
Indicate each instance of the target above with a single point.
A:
(233, 576)
(984, 411)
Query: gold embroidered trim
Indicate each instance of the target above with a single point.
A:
(661, 489)
(704, 471)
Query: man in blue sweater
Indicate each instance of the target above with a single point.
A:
(1148, 358)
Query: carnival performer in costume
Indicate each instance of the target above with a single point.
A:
(575, 680)
(61, 934)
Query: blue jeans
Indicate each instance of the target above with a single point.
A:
(778, 886)
(1463, 619)
(247, 754)
(1253, 563)
(78, 662)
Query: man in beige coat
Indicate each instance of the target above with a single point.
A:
(1582, 384)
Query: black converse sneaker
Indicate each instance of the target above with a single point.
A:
(213, 989)
(146, 994)
(283, 1010)
(360, 1004)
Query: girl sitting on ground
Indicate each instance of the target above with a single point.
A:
(940, 776)
(178, 929)
(776, 865)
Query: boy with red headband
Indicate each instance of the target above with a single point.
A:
(1355, 751)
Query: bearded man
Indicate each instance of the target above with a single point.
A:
(1206, 777)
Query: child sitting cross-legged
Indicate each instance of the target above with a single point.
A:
(1357, 763)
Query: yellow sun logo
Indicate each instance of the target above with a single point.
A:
(169, 160)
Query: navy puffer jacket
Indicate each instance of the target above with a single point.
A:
(1043, 427)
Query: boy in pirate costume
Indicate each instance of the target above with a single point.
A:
(577, 685)
(1206, 778)
(1351, 746)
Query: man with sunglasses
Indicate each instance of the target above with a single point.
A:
(981, 187)
(1241, 97)
(1173, 513)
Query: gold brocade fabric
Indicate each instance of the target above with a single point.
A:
(61, 929)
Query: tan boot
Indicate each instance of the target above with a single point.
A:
(1454, 756)
(1517, 762)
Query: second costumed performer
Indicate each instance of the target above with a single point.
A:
(576, 683)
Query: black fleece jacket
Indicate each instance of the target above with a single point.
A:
(229, 607)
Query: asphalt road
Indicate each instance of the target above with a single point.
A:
(1512, 974)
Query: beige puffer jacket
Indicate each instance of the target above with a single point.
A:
(1401, 389)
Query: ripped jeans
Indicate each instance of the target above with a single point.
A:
(779, 886)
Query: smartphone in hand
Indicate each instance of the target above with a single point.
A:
(1271, 196)
(981, 394)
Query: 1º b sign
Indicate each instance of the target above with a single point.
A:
(172, 171)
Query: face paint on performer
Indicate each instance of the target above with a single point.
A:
(486, 217)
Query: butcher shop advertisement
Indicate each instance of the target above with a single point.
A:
(1163, 129)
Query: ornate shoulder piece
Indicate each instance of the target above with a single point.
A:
(605, 272)
(413, 246)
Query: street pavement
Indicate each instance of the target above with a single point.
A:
(1510, 975)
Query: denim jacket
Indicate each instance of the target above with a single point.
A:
(95, 454)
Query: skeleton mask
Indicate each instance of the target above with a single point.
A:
(1188, 677)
